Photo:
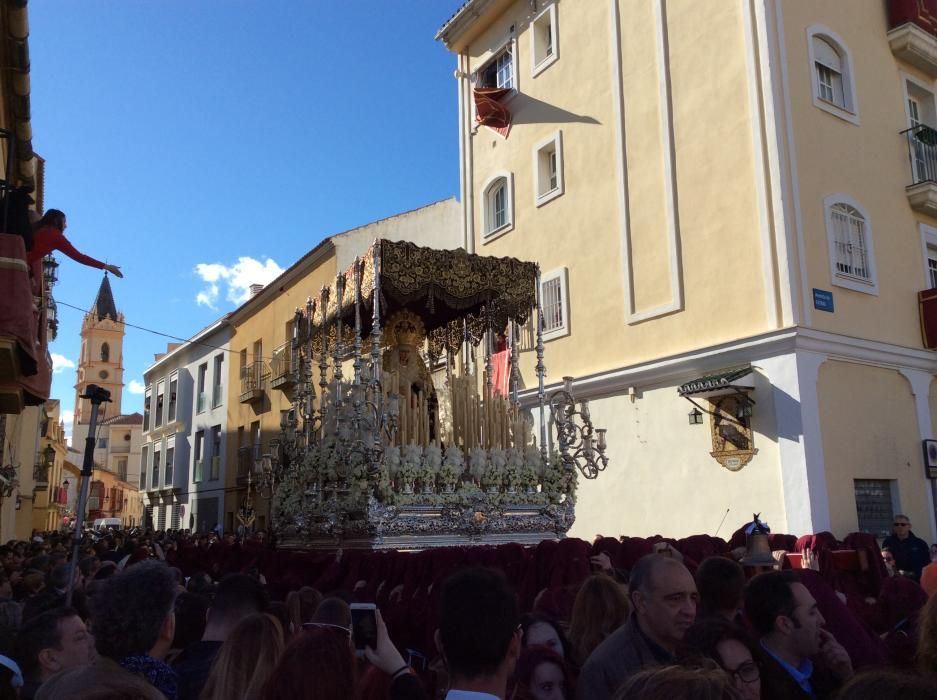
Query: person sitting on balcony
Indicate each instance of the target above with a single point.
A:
(49, 236)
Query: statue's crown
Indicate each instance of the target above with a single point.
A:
(404, 328)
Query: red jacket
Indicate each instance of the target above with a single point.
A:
(48, 239)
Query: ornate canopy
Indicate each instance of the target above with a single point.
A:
(452, 291)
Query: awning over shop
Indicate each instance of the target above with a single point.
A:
(731, 380)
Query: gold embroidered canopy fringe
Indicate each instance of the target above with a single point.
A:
(445, 288)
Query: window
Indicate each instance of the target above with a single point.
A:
(105, 352)
(543, 37)
(929, 250)
(122, 469)
(852, 263)
(499, 71)
(102, 443)
(216, 381)
(147, 395)
(876, 505)
(160, 390)
(173, 384)
(202, 375)
(215, 452)
(834, 89)
(548, 169)
(197, 451)
(498, 205)
(170, 454)
(143, 462)
(921, 114)
(554, 301)
(154, 474)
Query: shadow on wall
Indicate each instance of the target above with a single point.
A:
(528, 110)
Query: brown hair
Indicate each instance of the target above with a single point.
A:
(317, 665)
(246, 659)
(707, 682)
(600, 608)
(302, 605)
(926, 656)
(53, 218)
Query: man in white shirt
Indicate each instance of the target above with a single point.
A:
(479, 634)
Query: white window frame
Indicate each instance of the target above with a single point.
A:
(556, 139)
(490, 235)
(906, 80)
(850, 112)
(548, 14)
(928, 251)
(563, 275)
(841, 279)
(508, 44)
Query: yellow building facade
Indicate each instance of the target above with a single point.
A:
(726, 208)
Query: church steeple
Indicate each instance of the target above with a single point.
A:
(104, 303)
(101, 360)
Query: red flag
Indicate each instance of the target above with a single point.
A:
(490, 112)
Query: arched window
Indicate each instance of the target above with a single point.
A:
(105, 352)
(831, 75)
(852, 262)
(498, 205)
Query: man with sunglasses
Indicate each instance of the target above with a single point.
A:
(911, 552)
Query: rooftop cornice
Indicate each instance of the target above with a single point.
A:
(456, 26)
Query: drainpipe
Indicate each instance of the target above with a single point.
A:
(465, 154)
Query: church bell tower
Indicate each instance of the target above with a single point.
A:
(101, 360)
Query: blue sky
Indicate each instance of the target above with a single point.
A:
(222, 139)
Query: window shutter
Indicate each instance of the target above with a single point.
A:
(827, 55)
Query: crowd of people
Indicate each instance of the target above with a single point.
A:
(175, 615)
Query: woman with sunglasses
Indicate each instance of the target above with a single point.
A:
(725, 643)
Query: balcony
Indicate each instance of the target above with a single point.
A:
(253, 382)
(284, 369)
(922, 157)
(913, 25)
(41, 475)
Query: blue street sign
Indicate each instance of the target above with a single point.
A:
(823, 300)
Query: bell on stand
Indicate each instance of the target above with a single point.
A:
(757, 547)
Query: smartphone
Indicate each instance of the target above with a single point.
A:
(364, 626)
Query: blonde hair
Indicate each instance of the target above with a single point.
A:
(600, 608)
(926, 656)
(246, 659)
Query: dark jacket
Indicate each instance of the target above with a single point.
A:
(911, 554)
(624, 652)
(103, 678)
(193, 666)
(778, 684)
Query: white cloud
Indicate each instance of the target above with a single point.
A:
(236, 279)
(135, 387)
(60, 363)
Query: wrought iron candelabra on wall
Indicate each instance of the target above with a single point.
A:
(580, 444)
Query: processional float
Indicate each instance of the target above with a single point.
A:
(378, 453)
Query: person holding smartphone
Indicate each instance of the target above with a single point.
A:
(319, 664)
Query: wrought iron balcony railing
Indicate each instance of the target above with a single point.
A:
(253, 381)
(284, 367)
(922, 153)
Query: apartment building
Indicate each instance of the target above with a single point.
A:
(185, 406)
(733, 204)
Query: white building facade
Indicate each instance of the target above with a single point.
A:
(182, 459)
